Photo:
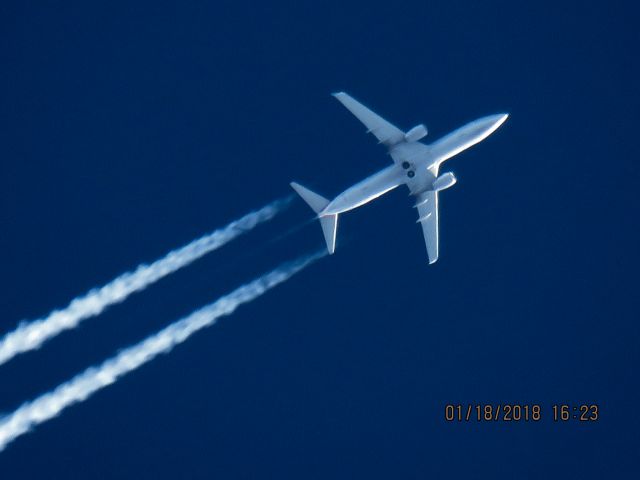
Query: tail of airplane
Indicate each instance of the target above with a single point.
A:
(329, 223)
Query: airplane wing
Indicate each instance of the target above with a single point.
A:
(427, 205)
(384, 131)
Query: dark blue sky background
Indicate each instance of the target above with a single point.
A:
(130, 128)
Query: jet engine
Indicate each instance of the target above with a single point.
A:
(416, 133)
(444, 181)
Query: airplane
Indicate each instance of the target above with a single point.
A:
(415, 164)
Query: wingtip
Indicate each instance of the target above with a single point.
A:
(338, 94)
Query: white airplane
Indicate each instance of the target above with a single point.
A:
(414, 164)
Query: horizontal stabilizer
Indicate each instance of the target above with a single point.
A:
(315, 201)
(329, 228)
(329, 223)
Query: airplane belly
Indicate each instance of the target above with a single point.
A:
(465, 137)
(367, 190)
(421, 181)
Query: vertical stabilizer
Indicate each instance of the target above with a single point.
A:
(329, 223)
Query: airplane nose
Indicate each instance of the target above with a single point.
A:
(497, 120)
(491, 123)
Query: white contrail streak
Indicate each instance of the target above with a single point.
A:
(93, 379)
(31, 335)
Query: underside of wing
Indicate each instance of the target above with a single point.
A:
(427, 205)
(384, 131)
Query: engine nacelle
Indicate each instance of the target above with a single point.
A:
(416, 133)
(444, 181)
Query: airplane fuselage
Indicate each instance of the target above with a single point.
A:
(415, 164)
(366, 190)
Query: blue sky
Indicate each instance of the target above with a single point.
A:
(128, 130)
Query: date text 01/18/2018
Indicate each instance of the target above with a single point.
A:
(520, 413)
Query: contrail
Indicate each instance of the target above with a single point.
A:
(31, 335)
(82, 386)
